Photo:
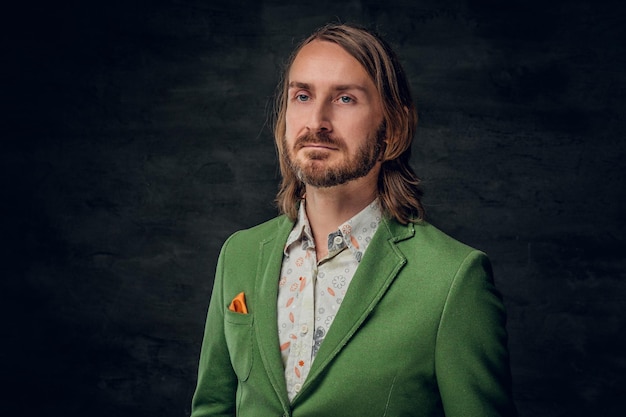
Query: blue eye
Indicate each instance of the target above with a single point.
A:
(302, 97)
(346, 99)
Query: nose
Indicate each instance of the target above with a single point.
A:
(319, 117)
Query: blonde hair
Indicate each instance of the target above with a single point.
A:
(398, 186)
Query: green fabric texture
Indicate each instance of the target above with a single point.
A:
(420, 332)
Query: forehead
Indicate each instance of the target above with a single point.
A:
(327, 62)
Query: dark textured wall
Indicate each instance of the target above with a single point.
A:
(135, 141)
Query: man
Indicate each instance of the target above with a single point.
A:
(349, 303)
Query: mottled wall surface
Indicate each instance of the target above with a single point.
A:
(135, 141)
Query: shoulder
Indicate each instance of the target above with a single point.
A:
(423, 236)
(252, 237)
(436, 239)
(428, 248)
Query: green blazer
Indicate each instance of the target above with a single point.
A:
(420, 332)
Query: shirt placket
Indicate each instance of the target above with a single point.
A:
(306, 319)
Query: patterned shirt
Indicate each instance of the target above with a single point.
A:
(311, 291)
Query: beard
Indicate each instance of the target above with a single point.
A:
(311, 170)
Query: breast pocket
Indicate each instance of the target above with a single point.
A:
(239, 338)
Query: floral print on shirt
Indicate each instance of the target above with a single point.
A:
(310, 292)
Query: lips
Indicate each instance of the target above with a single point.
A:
(316, 141)
(318, 146)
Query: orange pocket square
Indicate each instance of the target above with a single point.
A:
(238, 305)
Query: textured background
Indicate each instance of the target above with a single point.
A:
(135, 141)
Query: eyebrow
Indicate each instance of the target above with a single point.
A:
(340, 87)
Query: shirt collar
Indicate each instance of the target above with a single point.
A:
(355, 233)
(301, 230)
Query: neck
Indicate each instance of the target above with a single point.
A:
(327, 208)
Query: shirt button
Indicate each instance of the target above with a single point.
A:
(297, 387)
(304, 329)
(338, 240)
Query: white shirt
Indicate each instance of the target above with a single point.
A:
(310, 292)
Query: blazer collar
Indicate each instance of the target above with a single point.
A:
(379, 267)
(267, 275)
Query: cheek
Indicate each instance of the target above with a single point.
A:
(291, 123)
(362, 129)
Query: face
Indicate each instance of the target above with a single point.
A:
(334, 116)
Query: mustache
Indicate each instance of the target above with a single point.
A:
(322, 138)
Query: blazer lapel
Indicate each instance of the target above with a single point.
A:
(268, 273)
(377, 270)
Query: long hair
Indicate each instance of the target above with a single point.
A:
(398, 186)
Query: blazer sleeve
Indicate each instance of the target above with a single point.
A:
(216, 388)
(471, 355)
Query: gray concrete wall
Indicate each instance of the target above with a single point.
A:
(135, 142)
